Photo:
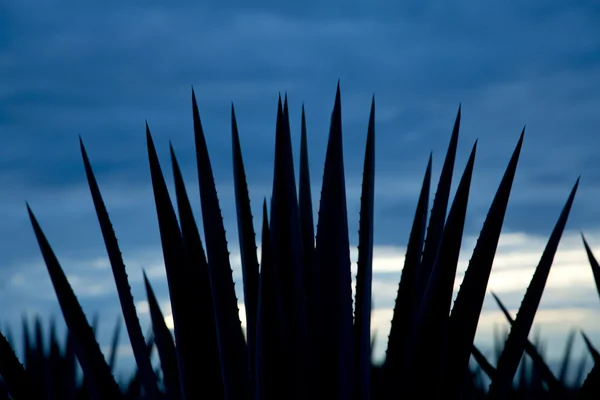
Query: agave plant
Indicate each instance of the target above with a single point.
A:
(305, 336)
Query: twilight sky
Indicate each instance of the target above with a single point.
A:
(100, 69)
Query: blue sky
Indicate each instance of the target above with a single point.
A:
(100, 69)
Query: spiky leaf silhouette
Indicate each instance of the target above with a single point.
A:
(464, 317)
(88, 352)
(164, 344)
(181, 290)
(287, 250)
(305, 211)
(232, 346)
(427, 341)
(405, 298)
(364, 275)
(17, 380)
(438, 213)
(272, 370)
(593, 351)
(332, 258)
(515, 344)
(593, 263)
(247, 243)
(538, 361)
(123, 289)
(566, 361)
(201, 292)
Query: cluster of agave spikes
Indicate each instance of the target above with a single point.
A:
(56, 371)
(305, 337)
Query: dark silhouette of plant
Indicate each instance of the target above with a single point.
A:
(306, 338)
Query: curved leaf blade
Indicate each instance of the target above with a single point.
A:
(305, 210)
(405, 305)
(429, 336)
(332, 256)
(200, 296)
(464, 317)
(437, 219)
(364, 275)
(272, 372)
(88, 352)
(232, 345)
(593, 263)
(132, 322)
(177, 267)
(164, 344)
(515, 344)
(247, 243)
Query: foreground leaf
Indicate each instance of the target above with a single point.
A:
(232, 345)
(132, 322)
(88, 352)
(464, 318)
(515, 344)
(181, 289)
(364, 275)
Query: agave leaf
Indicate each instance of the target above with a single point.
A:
(401, 320)
(84, 390)
(39, 367)
(577, 381)
(464, 318)
(438, 214)
(305, 210)
(485, 365)
(428, 342)
(17, 380)
(112, 358)
(232, 346)
(53, 366)
(4, 395)
(515, 344)
(287, 251)
(272, 377)
(538, 361)
(593, 263)
(164, 345)
(523, 367)
(332, 257)
(181, 289)
(580, 371)
(593, 351)
(364, 275)
(69, 383)
(566, 361)
(201, 294)
(133, 391)
(88, 352)
(123, 289)
(591, 386)
(537, 372)
(247, 243)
